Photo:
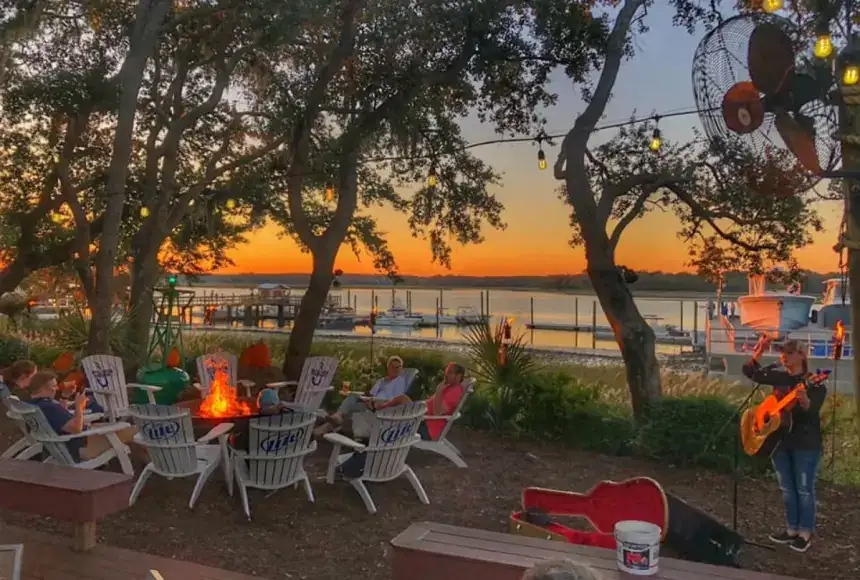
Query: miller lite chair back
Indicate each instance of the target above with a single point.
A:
(315, 382)
(27, 446)
(208, 364)
(394, 434)
(106, 379)
(277, 447)
(168, 435)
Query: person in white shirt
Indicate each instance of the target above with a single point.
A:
(391, 386)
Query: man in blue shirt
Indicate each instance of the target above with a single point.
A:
(390, 387)
(43, 390)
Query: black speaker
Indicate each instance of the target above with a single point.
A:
(696, 536)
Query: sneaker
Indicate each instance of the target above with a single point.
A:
(782, 538)
(800, 544)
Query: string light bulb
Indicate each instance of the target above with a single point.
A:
(823, 46)
(850, 75)
(541, 159)
(231, 203)
(656, 141)
(771, 6)
(144, 212)
(329, 191)
(56, 217)
(432, 178)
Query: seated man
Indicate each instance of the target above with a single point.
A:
(389, 388)
(43, 392)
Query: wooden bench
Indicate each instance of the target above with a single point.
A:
(428, 551)
(80, 496)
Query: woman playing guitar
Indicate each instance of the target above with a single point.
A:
(796, 458)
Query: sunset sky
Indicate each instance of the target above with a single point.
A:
(536, 239)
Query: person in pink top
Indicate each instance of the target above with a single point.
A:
(444, 401)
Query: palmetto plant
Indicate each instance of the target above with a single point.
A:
(72, 333)
(503, 366)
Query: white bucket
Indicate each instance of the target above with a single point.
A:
(638, 547)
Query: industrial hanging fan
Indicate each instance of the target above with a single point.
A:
(765, 104)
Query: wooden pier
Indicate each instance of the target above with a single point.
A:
(249, 309)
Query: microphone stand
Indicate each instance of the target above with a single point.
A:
(735, 419)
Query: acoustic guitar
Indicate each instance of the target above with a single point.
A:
(608, 502)
(765, 425)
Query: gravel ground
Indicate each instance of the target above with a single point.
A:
(335, 538)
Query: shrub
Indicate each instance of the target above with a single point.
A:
(11, 350)
(693, 431)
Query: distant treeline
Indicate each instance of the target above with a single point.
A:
(736, 282)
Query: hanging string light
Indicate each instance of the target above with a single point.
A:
(432, 178)
(771, 6)
(231, 204)
(850, 74)
(56, 217)
(144, 212)
(656, 141)
(329, 191)
(541, 155)
(823, 45)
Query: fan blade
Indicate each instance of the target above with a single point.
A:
(799, 141)
(770, 58)
(743, 109)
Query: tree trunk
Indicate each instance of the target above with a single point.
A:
(302, 334)
(144, 274)
(634, 335)
(149, 16)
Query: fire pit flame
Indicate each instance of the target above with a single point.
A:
(221, 400)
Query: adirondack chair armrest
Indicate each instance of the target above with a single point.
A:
(105, 392)
(338, 439)
(281, 384)
(142, 387)
(216, 432)
(93, 417)
(245, 383)
(198, 386)
(440, 417)
(102, 430)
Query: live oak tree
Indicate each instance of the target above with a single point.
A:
(610, 186)
(373, 101)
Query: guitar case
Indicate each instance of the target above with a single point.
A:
(608, 502)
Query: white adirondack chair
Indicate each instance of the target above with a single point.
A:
(27, 446)
(106, 378)
(39, 428)
(207, 364)
(11, 561)
(168, 435)
(154, 575)
(442, 446)
(394, 434)
(317, 376)
(277, 447)
(363, 422)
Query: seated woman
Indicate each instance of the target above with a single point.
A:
(392, 386)
(17, 377)
(268, 403)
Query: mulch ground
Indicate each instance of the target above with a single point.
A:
(336, 538)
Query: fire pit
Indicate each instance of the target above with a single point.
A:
(221, 405)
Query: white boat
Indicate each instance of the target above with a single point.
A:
(781, 312)
(664, 333)
(467, 315)
(397, 316)
(433, 320)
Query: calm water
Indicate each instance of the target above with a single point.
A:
(547, 307)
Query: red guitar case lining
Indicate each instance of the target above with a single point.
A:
(608, 502)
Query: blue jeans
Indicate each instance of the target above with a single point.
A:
(795, 471)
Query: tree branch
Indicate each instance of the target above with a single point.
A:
(631, 215)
